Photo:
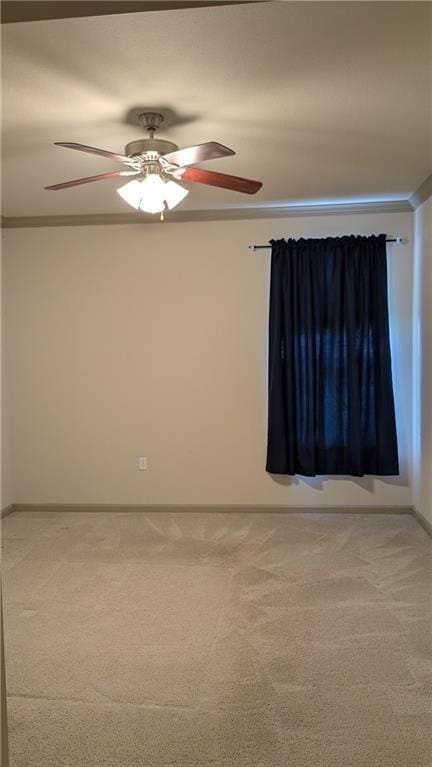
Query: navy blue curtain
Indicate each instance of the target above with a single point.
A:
(330, 398)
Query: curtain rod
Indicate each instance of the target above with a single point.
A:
(398, 240)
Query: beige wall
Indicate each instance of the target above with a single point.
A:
(128, 341)
(422, 373)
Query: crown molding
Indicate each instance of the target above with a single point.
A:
(185, 216)
(422, 193)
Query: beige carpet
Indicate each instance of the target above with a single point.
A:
(217, 640)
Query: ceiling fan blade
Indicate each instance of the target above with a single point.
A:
(222, 180)
(89, 179)
(193, 154)
(94, 150)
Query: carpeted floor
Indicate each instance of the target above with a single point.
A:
(217, 640)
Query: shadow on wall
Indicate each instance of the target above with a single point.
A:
(366, 483)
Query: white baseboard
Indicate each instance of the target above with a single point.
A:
(426, 525)
(215, 508)
(244, 508)
(7, 510)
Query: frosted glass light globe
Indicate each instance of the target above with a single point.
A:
(151, 193)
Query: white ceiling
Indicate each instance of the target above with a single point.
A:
(321, 101)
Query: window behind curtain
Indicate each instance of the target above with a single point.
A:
(331, 406)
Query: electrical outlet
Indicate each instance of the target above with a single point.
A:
(142, 464)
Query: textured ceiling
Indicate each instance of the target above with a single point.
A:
(320, 101)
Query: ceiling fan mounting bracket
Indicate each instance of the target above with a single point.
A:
(151, 121)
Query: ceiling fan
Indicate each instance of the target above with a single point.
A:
(158, 165)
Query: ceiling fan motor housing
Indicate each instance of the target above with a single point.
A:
(142, 146)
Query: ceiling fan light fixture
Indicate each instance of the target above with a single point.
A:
(131, 193)
(174, 193)
(152, 194)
